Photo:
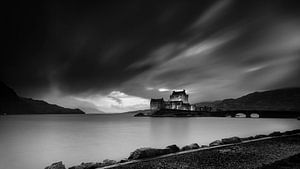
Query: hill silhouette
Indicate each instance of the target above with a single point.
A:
(286, 99)
(11, 103)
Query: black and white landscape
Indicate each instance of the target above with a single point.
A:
(91, 81)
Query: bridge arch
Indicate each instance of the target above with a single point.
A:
(240, 115)
(254, 115)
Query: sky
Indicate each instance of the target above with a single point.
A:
(114, 56)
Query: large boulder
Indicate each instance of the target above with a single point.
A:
(247, 138)
(124, 160)
(107, 162)
(139, 115)
(190, 147)
(292, 132)
(77, 167)
(172, 148)
(231, 140)
(215, 143)
(147, 153)
(276, 133)
(57, 165)
(260, 136)
(87, 166)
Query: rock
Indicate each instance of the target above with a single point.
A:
(87, 166)
(96, 165)
(57, 165)
(247, 138)
(107, 162)
(173, 148)
(92, 165)
(275, 133)
(260, 136)
(231, 140)
(292, 132)
(77, 167)
(296, 131)
(123, 160)
(215, 143)
(147, 153)
(152, 152)
(139, 115)
(190, 147)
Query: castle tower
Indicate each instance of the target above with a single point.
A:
(179, 96)
(156, 104)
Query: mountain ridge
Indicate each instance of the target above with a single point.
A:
(285, 99)
(12, 104)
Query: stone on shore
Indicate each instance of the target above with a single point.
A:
(231, 140)
(57, 165)
(77, 167)
(292, 132)
(275, 133)
(190, 147)
(215, 143)
(173, 148)
(107, 162)
(87, 166)
(124, 160)
(260, 136)
(139, 115)
(149, 152)
(247, 138)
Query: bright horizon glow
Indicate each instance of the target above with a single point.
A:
(116, 102)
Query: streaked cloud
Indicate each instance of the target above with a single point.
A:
(252, 69)
(211, 13)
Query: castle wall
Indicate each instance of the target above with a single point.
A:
(156, 104)
(178, 100)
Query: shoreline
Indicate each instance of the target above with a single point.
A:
(227, 113)
(210, 155)
(173, 157)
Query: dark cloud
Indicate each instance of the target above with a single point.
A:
(83, 46)
(138, 47)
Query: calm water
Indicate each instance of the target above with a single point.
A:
(34, 141)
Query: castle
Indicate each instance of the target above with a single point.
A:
(178, 100)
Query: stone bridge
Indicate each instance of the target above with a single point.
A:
(259, 113)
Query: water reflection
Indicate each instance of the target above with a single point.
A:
(166, 131)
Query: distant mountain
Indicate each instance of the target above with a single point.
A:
(287, 99)
(11, 103)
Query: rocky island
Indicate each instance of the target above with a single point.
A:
(280, 103)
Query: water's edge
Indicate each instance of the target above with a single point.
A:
(141, 154)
